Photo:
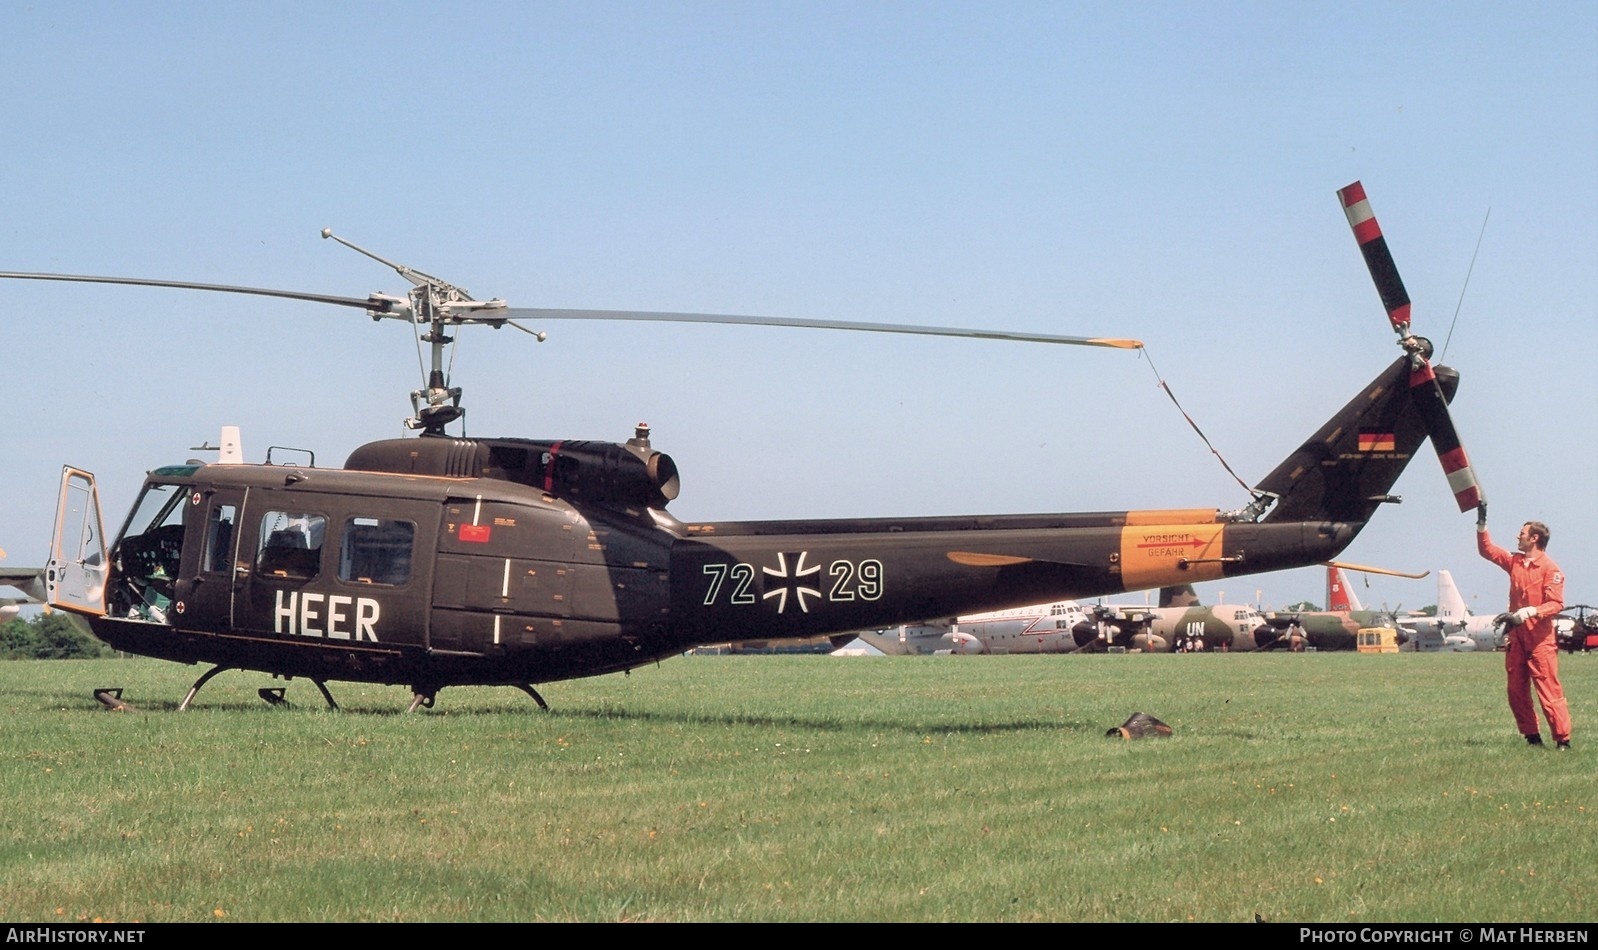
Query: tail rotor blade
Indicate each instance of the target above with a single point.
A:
(1378, 258)
(1433, 405)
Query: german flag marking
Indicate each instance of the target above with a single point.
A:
(1377, 442)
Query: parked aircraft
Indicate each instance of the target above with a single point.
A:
(1453, 628)
(1180, 623)
(1577, 628)
(26, 582)
(1335, 628)
(1041, 628)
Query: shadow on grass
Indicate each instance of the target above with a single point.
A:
(827, 724)
(81, 701)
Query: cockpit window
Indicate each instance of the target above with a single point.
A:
(291, 545)
(376, 551)
(148, 554)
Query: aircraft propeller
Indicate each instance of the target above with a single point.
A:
(1428, 393)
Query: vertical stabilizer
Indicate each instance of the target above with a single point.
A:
(1347, 469)
(1180, 596)
(1450, 605)
(1339, 596)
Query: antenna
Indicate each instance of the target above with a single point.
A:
(231, 449)
(1457, 307)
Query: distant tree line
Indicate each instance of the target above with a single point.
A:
(51, 636)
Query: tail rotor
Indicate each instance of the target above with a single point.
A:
(1428, 393)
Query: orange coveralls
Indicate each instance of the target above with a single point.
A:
(1533, 657)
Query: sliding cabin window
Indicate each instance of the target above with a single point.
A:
(291, 545)
(376, 551)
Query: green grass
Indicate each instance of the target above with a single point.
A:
(1330, 788)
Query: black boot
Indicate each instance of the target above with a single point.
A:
(1534, 739)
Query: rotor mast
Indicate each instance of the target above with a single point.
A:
(434, 303)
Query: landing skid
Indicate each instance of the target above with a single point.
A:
(421, 697)
(273, 695)
(112, 699)
(204, 678)
(528, 689)
(424, 699)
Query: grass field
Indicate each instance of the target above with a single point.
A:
(1331, 788)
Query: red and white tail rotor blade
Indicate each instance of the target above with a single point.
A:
(1427, 392)
(1433, 406)
(1377, 256)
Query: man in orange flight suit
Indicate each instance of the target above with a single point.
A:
(1536, 596)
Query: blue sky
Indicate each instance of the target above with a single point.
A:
(1165, 171)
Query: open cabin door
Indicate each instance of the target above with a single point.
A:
(75, 577)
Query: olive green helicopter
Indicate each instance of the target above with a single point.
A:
(437, 560)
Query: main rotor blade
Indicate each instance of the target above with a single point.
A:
(540, 313)
(361, 302)
(1378, 258)
(496, 314)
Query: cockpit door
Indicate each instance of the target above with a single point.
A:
(75, 577)
(213, 578)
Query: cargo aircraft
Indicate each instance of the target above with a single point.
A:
(1179, 624)
(440, 560)
(1335, 628)
(1453, 628)
(1040, 628)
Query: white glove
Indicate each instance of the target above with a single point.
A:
(1524, 614)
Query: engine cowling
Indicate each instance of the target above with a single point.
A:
(599, 473)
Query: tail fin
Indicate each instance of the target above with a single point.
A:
(1450, 605)
(1339, 596)
(1181, 596)
(1348, 468)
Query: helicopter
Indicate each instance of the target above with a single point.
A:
(435, 560)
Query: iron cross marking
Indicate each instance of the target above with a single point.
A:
(794, 582)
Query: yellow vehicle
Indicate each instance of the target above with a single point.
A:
(1377, 640)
